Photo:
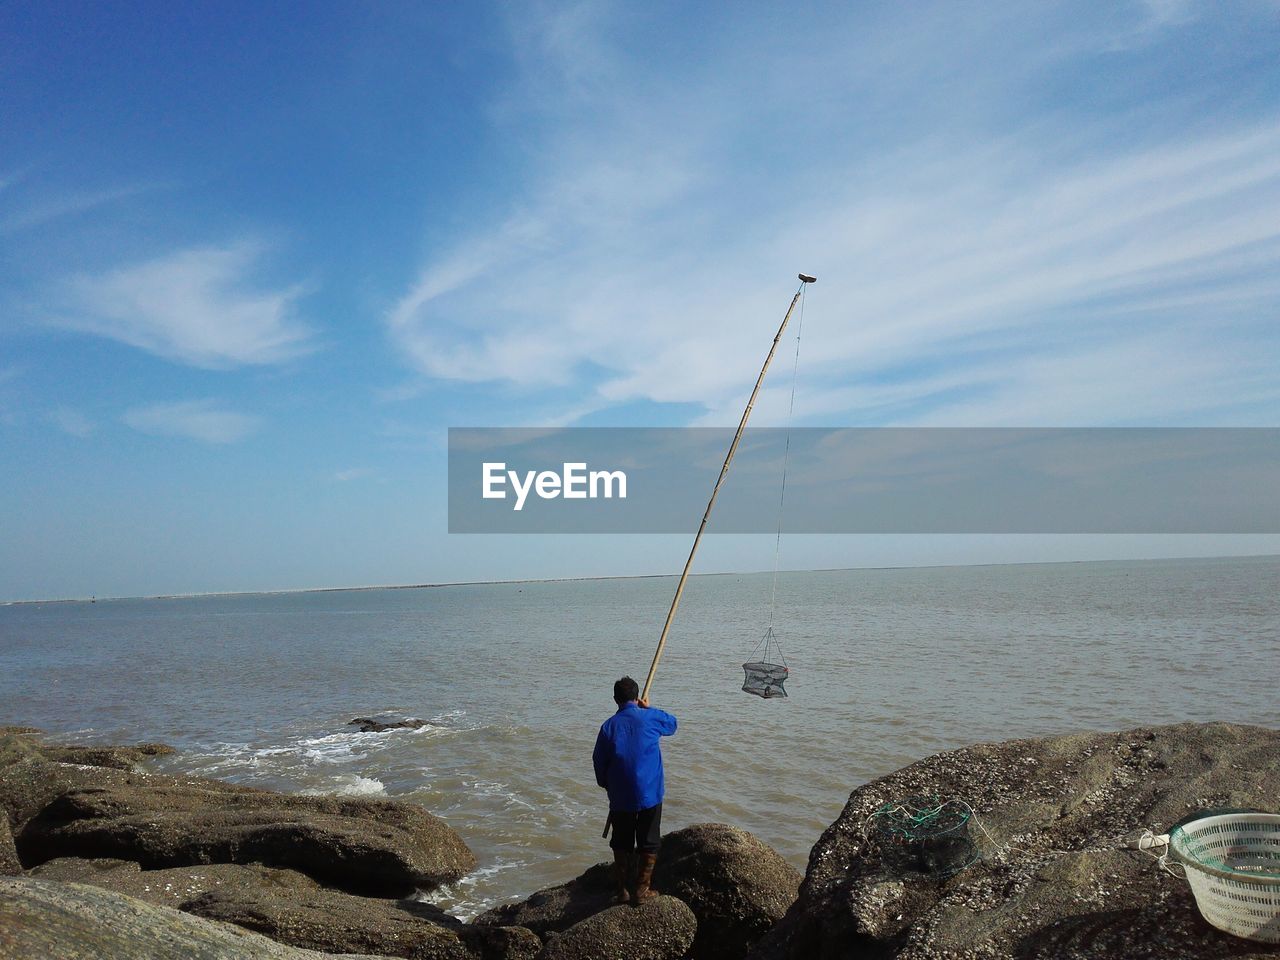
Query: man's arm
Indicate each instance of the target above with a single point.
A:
(663, 722)
(601, 757)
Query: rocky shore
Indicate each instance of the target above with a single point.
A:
(101, 858)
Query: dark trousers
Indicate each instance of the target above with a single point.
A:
(641, 830)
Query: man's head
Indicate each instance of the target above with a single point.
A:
(624, 690)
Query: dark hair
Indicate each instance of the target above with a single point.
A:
(625, 689)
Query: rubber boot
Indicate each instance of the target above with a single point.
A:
(622, 867)
(644, 877)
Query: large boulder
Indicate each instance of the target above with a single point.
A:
(9, 862)
(557, 908)
(47, 919)
(1054, 879)
(175, 886)
(737, 886)
(383, 723)
(22, 768)
(119, 758)
(29, 782)
(662, 929)
(18, 743)
(91, 802)
(368, 846)
(292, 908)
(336, 922)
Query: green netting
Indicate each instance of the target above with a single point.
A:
(924, 835)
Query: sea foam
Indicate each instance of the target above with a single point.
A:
(350, 785)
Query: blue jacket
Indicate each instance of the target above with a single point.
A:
(627, 757)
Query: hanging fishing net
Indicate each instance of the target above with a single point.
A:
(765, 679)
(923, 835)
(767, 672)
(766, 668)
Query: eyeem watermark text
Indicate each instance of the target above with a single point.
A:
(574, 482)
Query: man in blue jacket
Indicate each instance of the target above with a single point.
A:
(628, 762)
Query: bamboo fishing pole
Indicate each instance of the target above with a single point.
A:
(724, 470)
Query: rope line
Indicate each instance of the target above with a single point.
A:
(1149, 841)
(782, 496)
(763, 645)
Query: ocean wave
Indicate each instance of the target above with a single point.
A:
(501, 792)
(448, 716)
(334, 747)
(349, 785)
(343, 746)
(313, 757)
(463, 899)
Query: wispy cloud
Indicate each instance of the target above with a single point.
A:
(71, 421)
(39, 212)
(1167, 12)
(353, 473)
(974, 261)
(197, 306)
(193, 419)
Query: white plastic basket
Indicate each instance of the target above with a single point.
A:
(1233, 866)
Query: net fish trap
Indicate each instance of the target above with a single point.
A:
(765, 679)
(924, 835)
(766, 669)
(1232, 864)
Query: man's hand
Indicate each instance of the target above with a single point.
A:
(642, 702)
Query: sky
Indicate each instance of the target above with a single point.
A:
(256, 259)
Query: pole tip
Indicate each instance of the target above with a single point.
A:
(805, 278)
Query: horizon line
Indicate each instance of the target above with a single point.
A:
(587, 579)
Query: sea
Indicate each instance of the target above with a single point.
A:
(514, 680)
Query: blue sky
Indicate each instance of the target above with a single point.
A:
(254, 260)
